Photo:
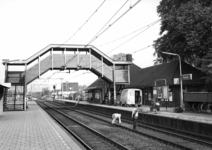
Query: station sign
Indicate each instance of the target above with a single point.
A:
(187, 77)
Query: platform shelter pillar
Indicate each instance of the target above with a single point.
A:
(114, 83)
(25, 88)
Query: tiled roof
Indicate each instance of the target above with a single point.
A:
(95, 84)
(146, 77)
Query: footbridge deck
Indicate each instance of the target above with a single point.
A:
(68, 57)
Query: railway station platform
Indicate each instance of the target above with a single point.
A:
(166, 112)
(188, 122)
(33, 129)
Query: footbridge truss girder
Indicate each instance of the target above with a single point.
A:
(69, 57)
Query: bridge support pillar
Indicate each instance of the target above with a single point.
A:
(25, 88)
(114, 83)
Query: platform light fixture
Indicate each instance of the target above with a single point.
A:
(181, 83)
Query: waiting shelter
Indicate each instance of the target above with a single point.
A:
(3, 88)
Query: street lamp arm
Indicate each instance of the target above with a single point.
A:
(170, 54)
(181, 83)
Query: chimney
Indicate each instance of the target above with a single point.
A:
(128, 57)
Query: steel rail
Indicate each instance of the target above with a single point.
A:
(173, 143)
(147, 126)
(69, 131)
(119, 146)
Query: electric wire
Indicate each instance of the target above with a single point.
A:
(59, 70)
(108, 21)
(112, 41)
(100, 66)
(111, 51)
(148, 26)
(113, 23)
(80, 29)
(141, 49)
(84, 23)
(133, 37)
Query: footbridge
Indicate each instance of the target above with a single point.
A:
(67, 57)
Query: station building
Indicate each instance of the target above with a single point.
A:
(147, 78)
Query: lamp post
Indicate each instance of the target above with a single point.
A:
(181, 83)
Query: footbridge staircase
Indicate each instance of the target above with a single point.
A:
(68, 57)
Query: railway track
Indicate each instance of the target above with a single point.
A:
(171, 138)
(89, 138)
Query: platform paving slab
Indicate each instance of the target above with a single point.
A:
(33, 129)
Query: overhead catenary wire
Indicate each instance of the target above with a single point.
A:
(100, 66)
(60, 70)
(148, 26)
(108, 21)
(141, 49)
(122, 16)
(77, 32)
(113, 22)
(124, 36)
(84, 22)
(133, 37)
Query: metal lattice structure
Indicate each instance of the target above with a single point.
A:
(67, 57)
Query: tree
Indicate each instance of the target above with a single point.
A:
(119, 57)
(185, 30)
(45, 91)
(82, 87)
(207, 69)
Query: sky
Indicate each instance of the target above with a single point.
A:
(27, 26)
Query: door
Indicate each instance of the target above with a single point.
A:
(15, 98)
(137, 97)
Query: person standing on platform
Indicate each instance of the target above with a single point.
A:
(135, 116)
(116, 116)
